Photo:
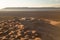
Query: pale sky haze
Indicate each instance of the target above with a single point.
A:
(29, 3)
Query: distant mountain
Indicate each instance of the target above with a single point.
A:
(31, 9)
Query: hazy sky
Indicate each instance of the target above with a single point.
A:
(29, 3)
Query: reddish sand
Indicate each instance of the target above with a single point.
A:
(53, 22)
